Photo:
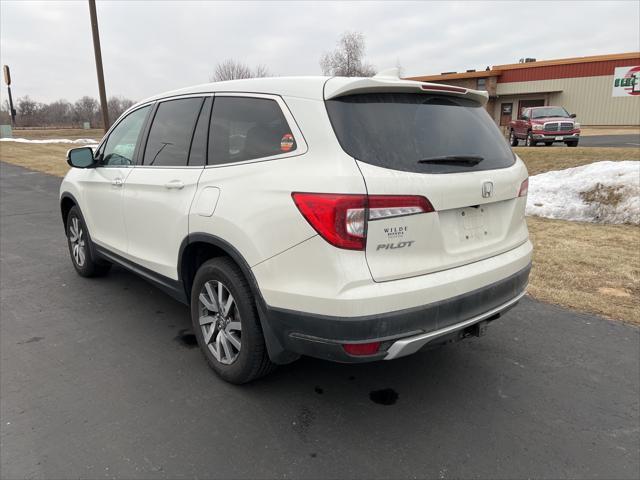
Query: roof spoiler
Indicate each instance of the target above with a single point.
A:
(389, 81)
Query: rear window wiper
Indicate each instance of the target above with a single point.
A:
(454, 159)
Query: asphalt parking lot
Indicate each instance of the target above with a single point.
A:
(99, 379)
(627, 141)
(622, 141)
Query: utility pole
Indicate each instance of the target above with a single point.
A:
(98, 54)
(7, 80)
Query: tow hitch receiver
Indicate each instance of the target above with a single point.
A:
(477, 330)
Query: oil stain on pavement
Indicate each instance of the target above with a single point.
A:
(386, 396)
(186, 338)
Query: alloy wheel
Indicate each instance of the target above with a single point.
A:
(76, 238)
(220, 322)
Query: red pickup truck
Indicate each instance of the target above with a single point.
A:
(545, 125)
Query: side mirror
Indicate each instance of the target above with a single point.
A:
(81, 157)
(573, 115)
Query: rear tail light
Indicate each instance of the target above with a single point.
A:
(341, 219)
(524, 188)
(335, 217)
(359, 349)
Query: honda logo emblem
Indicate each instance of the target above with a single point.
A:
(487, 189)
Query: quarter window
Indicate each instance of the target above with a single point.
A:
(171, 133)
(245, 128)
(121, 144)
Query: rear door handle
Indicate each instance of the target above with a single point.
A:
(174, 185)
(117, 182)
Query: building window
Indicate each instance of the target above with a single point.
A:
(482, 84)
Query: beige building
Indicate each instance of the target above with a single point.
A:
(600, 90)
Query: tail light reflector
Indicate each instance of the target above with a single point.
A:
(385, 206)
(360, 349)
(524, 188)
(341, 219)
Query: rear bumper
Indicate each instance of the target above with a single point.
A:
(401, 332)
(551, 137)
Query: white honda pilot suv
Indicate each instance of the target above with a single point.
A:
(348, 219)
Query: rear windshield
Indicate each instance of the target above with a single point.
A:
(397, 130)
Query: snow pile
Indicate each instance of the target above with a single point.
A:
(601, 192)
(50, 140)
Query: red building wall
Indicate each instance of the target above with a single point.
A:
(590, 69)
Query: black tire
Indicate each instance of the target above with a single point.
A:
(86, 265)
(252, 360)
(530, 142)
(513, 140)
(572, 144)
(548, 144)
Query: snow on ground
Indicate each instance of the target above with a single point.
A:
(601, 192)
(50, 140)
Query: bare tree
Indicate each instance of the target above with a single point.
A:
(28, 111)
(231, 70)
(347, 60)
(61, 113)
(86, 110)
(5, 116)
(117, 106)
(57, 113)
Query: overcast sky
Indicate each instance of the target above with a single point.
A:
(150, 47)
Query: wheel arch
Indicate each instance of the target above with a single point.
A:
(67, 202)
(199, 247)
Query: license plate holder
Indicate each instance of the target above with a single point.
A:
(559, 139)
(472, 223)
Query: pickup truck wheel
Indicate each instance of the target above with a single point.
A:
(80, 249)
(530, 142)
(513, 140)
(572, 144)
(226, 323)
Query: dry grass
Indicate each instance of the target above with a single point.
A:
(541, 159)
(603, 194)
(70, 133)
(588, 267)
(44, 157)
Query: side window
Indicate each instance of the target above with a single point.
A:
(121, 144)
(198, 152)
(244, 128)
(171, 132)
